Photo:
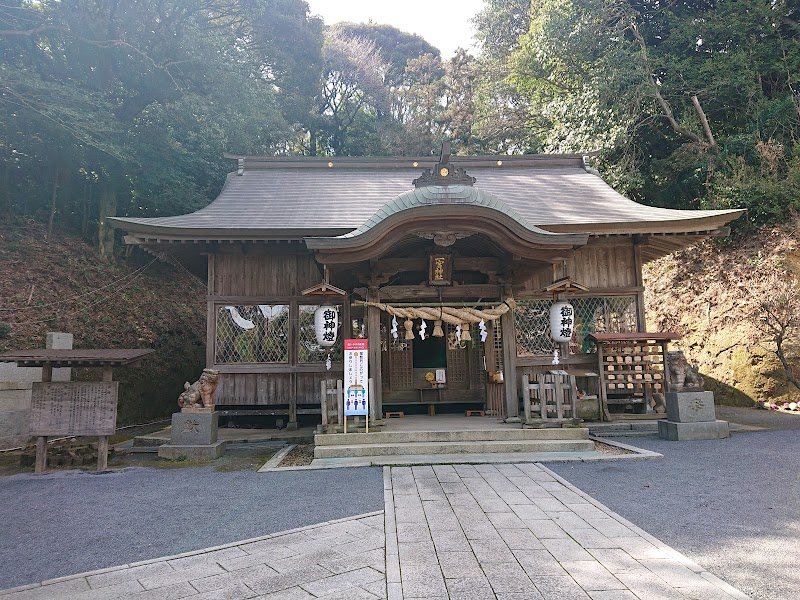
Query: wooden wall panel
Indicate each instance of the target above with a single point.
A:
(596, 266)
(263, 275)
(308, 386)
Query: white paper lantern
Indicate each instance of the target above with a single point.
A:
(326, 325)
(562, 321)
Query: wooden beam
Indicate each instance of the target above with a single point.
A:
(454, 292)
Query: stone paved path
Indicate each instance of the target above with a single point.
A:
(456, 532)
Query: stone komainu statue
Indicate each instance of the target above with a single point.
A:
(682, 376)
(200, 394)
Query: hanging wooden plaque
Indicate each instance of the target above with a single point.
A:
(440, 269)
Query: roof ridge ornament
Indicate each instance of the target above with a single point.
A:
(444, 173)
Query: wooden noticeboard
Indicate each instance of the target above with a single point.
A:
(74, 408)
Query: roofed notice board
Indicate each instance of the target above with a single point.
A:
(74, 408)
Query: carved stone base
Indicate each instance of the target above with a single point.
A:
(195, 453)
(194, 428)
(197, 409)
(707, 430)
(691, 407)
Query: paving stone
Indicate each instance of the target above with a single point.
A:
(186, 574)
(505, 520)
(649, 586)
(376, 588)
(707, 591)
(446, 473)
(591, 575)
(365, 544)
(539, 563)
(423, 581)
(489, 551)
(531, 594)
(450, 541)
(412, 532)
(131, 574)
(268, 545)
(283, 581)
(410, 515)
(375, 559)
(249, 560)
(170, 592)
(545, 529)
(463, 500)
(358, 593)
(520, 539)
(431, 492)
(566, 549)
(529, 512)
(494, 506)
(417, 553)
(232, 592)
(549, 504)
(514, 497)
(300, 561)
(509, 470)
(466, 470)
(673, 572)
(535, 473)
(610, 527)
(341, 582)
(569, 520)
(375, 521)
(588, 511)
(616, 560)
(455, 487)
(559, 588)
(191, 562)
(294, 593)
(216, 582)
(109, 592)
(613, 595)
(483, 531)
(639, 548)
(469, 588)
(591, 538)
(55, 590)
(457, 565)
(423, 472)
(568, 497)
(507, 577)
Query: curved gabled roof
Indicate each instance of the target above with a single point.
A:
(279, 198)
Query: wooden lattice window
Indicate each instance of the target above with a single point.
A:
(609, 314)
(308, 350)
(252, 333)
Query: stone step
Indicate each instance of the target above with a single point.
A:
(404, 437)
(632, 429)
(469, 447)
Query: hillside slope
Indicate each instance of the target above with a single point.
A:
(711, 293)
(137, 302)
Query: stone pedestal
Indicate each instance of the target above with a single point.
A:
(194, 436)
(691, 416)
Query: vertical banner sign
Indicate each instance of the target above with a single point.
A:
(356, 388)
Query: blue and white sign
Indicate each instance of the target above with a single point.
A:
(356, 388)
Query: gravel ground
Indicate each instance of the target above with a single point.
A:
(731, 505)
(68, 522)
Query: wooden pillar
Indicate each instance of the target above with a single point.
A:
(509, 336)
(637, 270)
(374, 339)
(102, 442)
(211, 316)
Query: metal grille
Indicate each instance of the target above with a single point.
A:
(308, 350)
(613, 314)
(267, 340)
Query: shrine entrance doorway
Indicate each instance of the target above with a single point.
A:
(435, 374)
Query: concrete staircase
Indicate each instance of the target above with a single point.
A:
(624, 429)
(418, 443)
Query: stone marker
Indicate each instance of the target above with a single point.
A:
(195, 428)
(690, 410)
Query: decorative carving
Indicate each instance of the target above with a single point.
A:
(200, 394)
(683, 377)
(442, 238)
(445, 174)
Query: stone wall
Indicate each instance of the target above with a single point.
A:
(15, 393)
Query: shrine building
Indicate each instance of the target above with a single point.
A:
(447, 265)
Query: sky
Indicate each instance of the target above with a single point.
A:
(443, 23)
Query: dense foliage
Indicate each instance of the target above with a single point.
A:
(116, 107)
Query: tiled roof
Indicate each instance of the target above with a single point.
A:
(297, 197)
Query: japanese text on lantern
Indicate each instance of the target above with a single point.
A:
(567, 321)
